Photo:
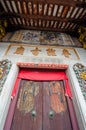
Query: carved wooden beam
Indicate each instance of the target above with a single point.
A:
(35, 17)
(16, 27)
(58, 2)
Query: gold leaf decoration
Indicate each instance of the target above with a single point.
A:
(66, 53)
(19, 50)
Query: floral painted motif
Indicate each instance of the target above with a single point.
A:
(5, 66)
(80, 71)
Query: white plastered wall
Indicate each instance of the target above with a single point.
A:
(5, 96)
(78, 100)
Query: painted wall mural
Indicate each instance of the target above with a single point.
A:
(41, 51)
(57, 96)
(80, 71)
(5, 66)
(42, 38)
(28, 92)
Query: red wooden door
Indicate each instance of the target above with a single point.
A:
(28, 110)
(41, 106)
(55, 110)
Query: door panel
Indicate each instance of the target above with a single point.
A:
(55, 111)
(41, 106)
(29, 102)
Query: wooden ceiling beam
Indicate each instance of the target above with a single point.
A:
(39, 28)
(58, 2)
(35, 17)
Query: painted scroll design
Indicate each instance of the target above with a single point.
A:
(57, 97)
(5, 66)
(80, 72)
(27, 95)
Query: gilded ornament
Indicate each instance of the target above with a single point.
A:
(82, 37)
(1, 73)
(83, 75)
(19, 50)
(66, 53)
(51, 52)
(3, 25)
(35, 51)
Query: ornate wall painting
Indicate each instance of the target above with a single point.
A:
(30, 89)
(17, 36)
(67, 39)
(5, 66)
(70, 40)
(51, 38)
(60, 39)
(80, 71)
(26, 36)
(31, 36)
(28, 92)
(57, 96)
(42, 51)
(42, 37)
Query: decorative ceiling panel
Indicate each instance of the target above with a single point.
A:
(45, 15)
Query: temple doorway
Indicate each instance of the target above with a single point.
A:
(41, 100)
(41, 105)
